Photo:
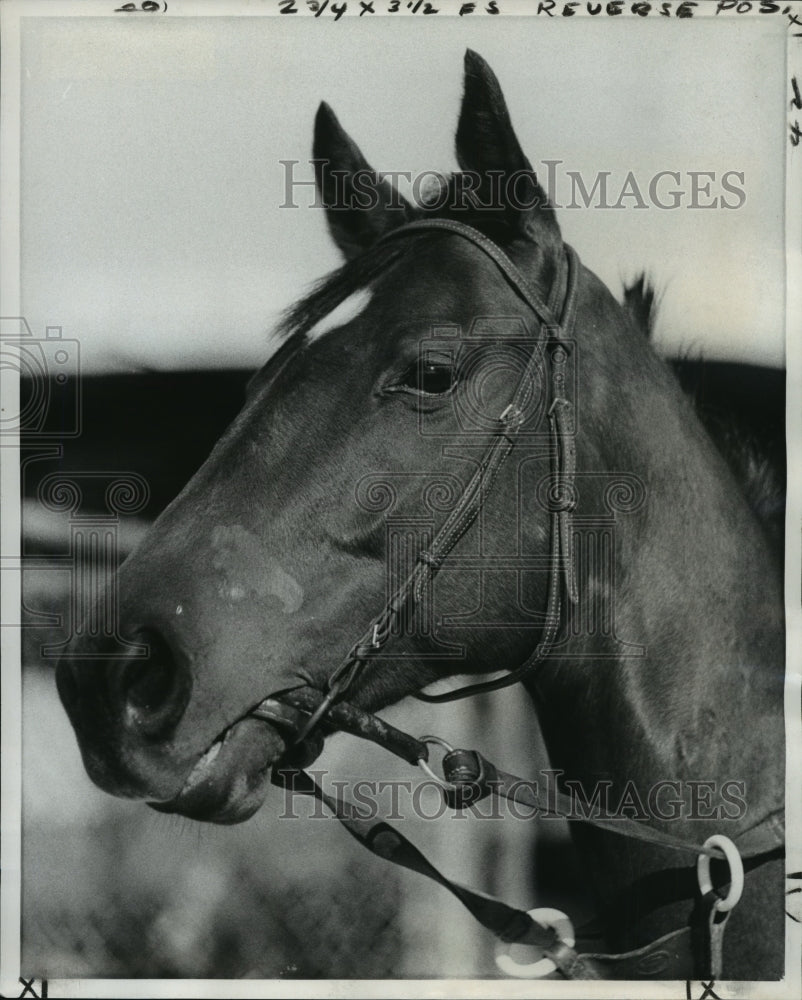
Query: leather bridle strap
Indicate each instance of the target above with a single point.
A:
(553, 333)
(290, 710)
(676, 952)
(468, 777)
(508, 923)
(563, 449)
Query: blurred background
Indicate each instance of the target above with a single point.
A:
(152, 173)
(155, 259)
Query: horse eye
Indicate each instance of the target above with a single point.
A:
(431, 378)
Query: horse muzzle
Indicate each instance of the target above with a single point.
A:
(125, 703)
(127, 707)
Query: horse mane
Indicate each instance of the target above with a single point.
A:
(641, 301)
(741, 434)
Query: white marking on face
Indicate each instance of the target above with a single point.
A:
(199, 770)
(346, 311)
(246, 568)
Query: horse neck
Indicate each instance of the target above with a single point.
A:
(694, 584)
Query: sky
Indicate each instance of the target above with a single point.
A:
(152, 183)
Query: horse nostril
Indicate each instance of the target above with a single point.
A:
(154, 690)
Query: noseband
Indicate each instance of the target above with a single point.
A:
(554, 327)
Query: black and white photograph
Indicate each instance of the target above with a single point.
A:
(401, 550)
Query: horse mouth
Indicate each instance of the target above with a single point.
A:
(230, 780)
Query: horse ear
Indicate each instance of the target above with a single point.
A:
(487, 146)
(360, 205)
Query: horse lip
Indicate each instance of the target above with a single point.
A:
(208, 756)
(229, 780)
(204, 762)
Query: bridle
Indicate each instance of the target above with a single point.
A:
(556, 325)
(304, 714)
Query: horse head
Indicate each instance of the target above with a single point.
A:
(274, 555)
(366, 426)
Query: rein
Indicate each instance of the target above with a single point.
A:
(305, 714)
(692, 951)
(468, 777)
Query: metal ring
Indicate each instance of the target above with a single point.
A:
(548, 917)
(436, 739)
(313, 719)
(733, 859)
(424, 766)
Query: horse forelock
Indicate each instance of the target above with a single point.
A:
(444, 197)
(347, 311)
(333, 289)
